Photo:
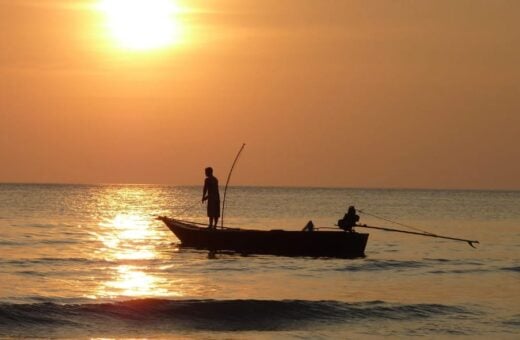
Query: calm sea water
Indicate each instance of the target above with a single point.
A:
(91, 261)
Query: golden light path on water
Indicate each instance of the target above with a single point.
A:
(122, 238)
(129, 243)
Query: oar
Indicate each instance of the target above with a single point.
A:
(470, 242)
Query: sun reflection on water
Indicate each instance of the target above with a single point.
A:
(132, 281)
(127, 237)
(137, 257)
(131, 245)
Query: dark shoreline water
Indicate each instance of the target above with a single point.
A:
(151, 315)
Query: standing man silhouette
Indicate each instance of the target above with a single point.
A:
(212, 195)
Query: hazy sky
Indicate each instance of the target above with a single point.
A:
(415, 94)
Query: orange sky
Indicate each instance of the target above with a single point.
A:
(414, 94)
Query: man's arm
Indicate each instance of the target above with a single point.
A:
(205, 190)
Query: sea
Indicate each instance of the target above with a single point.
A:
(92, 262)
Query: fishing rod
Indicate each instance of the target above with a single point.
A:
(182, 212)
(189, 207)
(470, 242)
(395, 222)
(227, 182)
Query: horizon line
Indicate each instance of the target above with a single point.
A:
(265, 186)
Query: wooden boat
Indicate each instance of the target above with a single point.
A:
(315, 243)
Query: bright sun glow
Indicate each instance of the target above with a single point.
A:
(142, 24)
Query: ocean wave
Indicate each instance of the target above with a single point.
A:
(38, 225)
(10, 243)
(56, 242)
(56, 260)
(374, 265)
(513, 321)
(459, 271)
(47, 260)
(511, 269)
(217, 315)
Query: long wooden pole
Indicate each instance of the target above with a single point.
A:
(227, 182)
(470, 242)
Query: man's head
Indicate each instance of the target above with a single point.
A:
(209, 171)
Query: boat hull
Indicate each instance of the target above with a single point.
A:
(276, 242)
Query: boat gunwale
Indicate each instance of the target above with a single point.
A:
(192, 226)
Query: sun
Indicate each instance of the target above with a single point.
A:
(142, 24)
